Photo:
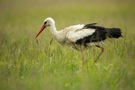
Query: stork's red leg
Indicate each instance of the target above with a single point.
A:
(82, 55)
(102, 50)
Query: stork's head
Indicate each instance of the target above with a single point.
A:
(47, 22)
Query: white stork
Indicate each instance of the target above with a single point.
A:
(81, 36)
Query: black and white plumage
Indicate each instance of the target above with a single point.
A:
(81, 36)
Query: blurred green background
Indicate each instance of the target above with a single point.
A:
(26, 66)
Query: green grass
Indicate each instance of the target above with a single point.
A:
(26, 66)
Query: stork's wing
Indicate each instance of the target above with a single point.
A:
(75, 35)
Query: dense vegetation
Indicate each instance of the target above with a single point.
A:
(26, 66)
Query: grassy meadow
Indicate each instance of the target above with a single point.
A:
(26, 66)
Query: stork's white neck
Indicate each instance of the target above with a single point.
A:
(53, 30)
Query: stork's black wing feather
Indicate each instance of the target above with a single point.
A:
(99, 34)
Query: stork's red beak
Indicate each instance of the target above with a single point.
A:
(40, 30)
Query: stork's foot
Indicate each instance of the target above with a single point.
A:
(102, 50)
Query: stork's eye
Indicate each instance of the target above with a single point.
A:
(45, 22)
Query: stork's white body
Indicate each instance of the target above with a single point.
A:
(71, 34)
(81, 36)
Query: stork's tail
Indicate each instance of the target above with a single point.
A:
(114, 33)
